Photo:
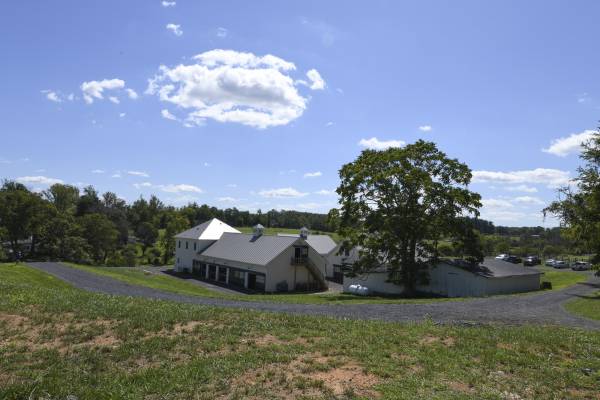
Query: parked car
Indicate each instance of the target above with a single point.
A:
(581, 266)
(531, 261)
(560, 264)
(550, 262)
(513, 259)
(502, 257)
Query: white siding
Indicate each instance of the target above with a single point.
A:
(184, 257)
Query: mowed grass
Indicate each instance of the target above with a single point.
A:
(587, 306)
(561, 279)
(57, 341)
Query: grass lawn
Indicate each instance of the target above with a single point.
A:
(561, 279)
(275, 231)
(588, 306)
(57, 341)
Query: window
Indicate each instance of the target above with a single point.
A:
(194, 246)
(179, 243)
(203, 271)
(186, 245)
(212, 272)
(222, 275)
(236, 277)
(177, 260)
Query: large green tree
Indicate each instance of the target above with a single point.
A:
(100, 234)
(579, 209)
(398, 203)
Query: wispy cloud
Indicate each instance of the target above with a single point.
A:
(222, 32)
(313, 174)
(98, 171)
(545, 176)
(138, 173)
(282, 193)
(425, 128)
(570, 144)
(376, 144)
(176, 29)
(168, 3)
(38, 180)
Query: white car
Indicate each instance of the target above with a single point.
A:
(550, 262)
(501, 256)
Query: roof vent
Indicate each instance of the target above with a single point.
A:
(258, 230)
(304, 232)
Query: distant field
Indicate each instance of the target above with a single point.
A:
(275, 231)
(57, 341)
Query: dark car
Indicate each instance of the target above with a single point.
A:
(531, 261)
(513, 259)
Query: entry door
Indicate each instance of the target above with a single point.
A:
(251, 281)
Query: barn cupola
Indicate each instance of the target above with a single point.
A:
(304, 232)
(258, 231)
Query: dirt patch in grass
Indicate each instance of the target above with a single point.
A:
(309, 375)
(460, 387)
(430, 340)
(61, 335)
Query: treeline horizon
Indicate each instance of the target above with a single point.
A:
(83, 225)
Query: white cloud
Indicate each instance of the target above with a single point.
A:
(182, 187)
(71, 97)
(142, 185)
(376, 144)
(330, 123)
(496, 203)
(206, 164)
(282, 193)
(52, 96)
(324, 192)
(309, 206)
(425, 128)
(98, 171)
(121, 115)
(313, 174)
(167, 115)
(226, 199)
(571, 144)
(521, 188)
(168, 3)
(94, 89)
(231, 185)
(231, 86)
(139, 173)
(222, 32)
(116, 175)
(528, 200)
(39, 180)
(176, 29)
(316, 82)
(131, 93)
(546, 176)
(114, 99)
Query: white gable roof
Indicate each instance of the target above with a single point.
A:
(209, 230)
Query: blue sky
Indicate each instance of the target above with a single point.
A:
(258, 105)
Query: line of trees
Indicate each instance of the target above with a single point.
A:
(64, 223)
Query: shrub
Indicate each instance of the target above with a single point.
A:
(546, 285)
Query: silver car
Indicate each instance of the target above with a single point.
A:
(581, 266)
(560, 264)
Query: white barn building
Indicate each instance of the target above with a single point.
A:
(217, 252)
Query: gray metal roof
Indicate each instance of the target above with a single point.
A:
(492, 268)
(322, 244)
(246, 248)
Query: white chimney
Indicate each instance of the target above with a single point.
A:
(304, 232)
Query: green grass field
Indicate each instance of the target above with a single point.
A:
(57, 341)
(588, 306)
(561, 279)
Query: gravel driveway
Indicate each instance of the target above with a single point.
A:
(539, 308)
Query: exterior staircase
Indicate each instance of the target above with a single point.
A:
(313, 269)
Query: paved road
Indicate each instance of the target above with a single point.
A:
(540, 308)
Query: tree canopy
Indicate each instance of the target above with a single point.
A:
(398, 203)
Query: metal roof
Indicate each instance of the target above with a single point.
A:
(209, 230)
(322, 244)
(247, 248)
